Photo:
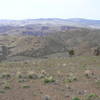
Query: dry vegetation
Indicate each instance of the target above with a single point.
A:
(83, 40)
(75, 78)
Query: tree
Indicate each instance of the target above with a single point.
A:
(97, 51)
(71, 52)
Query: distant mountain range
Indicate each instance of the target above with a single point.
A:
(77, 22)
(45, 26)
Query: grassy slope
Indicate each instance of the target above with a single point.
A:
(82, 40)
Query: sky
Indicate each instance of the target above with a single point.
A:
(33, 9)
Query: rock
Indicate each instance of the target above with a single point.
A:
(81, 92)
(47, 97)
(88, 73)
(68, 87)
(43, 72)
(64, 65)
(67, 96)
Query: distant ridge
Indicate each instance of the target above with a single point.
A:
(77, 22)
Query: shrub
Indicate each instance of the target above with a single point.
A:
(71, 78)
(76, 98)
(49, 79)
(5, 75)
(21, 75)
(97, 51)
(92, 97)
(22, 80)
(2, 91)
(7, 87)
(71, 52)
(97, 83)
(26, 86)
(32, 75)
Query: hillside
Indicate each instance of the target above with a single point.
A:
(82, 40)
(53, 37)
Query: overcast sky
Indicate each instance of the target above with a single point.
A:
(29, 9)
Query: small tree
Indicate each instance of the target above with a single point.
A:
(71, 52)
(97, 51)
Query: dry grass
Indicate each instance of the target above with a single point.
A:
(23, 77)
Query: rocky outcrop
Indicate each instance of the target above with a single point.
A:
(3, 52)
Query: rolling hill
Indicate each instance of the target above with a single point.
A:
(45, 37)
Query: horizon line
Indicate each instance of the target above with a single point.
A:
(18, 19)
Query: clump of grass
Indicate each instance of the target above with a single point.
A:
(84, 67)
(70, 78)
(32, 75)
(92, 96)
(49, 79)
(22, 80)
(6, 86)
(25, 86)
(43, 74)
(97, 83)
(21, 75)
(5, 75)
(76, 98)
(2, 91)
